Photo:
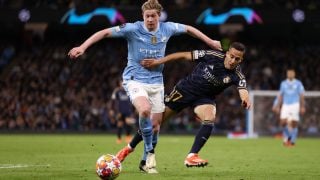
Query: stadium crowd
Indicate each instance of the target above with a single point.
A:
(41, 89)
(179, 4)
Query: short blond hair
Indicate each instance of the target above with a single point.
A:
(152, 4)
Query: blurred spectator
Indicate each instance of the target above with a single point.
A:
(179, 4)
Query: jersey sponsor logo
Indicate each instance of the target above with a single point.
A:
(210, 77)
(150, 53)
(226, 80)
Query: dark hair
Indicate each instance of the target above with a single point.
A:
(238, 46)
(290, 69)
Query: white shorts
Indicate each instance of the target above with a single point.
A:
(290, 112)
(153, 92)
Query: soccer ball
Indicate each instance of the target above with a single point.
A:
(108, 167)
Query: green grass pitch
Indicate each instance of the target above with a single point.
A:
(70, 157)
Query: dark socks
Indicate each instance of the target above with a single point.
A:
(201, 137)
(128, 129)
(137, 138)
(119, 132)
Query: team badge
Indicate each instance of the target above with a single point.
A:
(153, 39)
(202, 53)
(226, 80)
(198, 54)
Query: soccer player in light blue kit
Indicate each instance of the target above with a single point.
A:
(291, 102)
(145, 87)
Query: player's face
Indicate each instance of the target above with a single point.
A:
(291, 74)
(233, 58)
(151, 19)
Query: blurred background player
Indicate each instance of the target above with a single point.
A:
(291, 102)
(145, 87)
(215, 71)
(124, 112)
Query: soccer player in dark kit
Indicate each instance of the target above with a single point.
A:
(214, 72)
(124, 112)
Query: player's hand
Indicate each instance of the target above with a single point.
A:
(246, 104)
(75, 52)
(302, 110)
(149, 63)
(215, 45)
(276, 109)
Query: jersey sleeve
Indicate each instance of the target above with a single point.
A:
(301, 88)
(275, 101)
(114, 94)
(198, 55)
(123, 30)
(175, 28)
(241, 82)
(206, 55)
(282, 88)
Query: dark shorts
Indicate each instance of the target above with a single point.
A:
(123, 116)
(179, 99)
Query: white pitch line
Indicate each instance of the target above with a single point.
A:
(10, 166)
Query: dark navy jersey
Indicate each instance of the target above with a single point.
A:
(209, 78)
(122, 101)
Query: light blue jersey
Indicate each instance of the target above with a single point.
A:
(291, 91)
(144, 44)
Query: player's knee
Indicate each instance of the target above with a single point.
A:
(294, 124)
(156, 128)
(283, 123)
(145, 111)
(208, 122)
(210, 118)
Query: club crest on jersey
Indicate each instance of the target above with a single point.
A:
(201, 53)
(153, 39)
(226, 80)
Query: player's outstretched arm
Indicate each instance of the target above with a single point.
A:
(78, 51)
(148, 63)
(214, 44)
(244, 96)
